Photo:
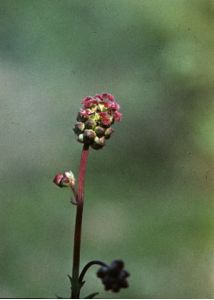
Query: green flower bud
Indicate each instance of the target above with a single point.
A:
(100, 131)
(95, 116)
(101, 107)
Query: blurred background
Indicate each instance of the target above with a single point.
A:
(149, 192)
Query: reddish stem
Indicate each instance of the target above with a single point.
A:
(78, 225)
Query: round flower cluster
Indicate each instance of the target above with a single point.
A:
(114, 277)
(95, 118)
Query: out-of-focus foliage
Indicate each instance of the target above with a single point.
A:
(149, 193)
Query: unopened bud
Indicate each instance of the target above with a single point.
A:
(96, 146)
(114, 276)
(65, 179)
(89, 124)
(100, 131)
(58, 178)
(79, 127)
(108, 132)
(80, 118)
(89, 135)
(80, 138)
(98, 143)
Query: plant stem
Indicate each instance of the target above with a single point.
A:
(78, 224)
(91, 263)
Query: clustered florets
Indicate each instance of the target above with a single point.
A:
(95, 118)
(114, 277)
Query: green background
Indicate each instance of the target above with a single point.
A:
(149, 192)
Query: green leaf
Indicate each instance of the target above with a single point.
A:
(70, 278)
(91, 296)
(58, 297)
(81, 284)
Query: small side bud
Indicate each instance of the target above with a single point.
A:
(57, 179)
(65, 179)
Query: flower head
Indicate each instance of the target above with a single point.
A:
(114, 277)
(65, 179)
(95, 118)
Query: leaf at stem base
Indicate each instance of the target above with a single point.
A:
(91, 296)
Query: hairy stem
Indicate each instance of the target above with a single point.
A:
(78, 224)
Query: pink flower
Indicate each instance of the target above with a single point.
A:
(105, 118)
(115, 106)
(86, 99)
(107, 104)
(110, 97)
(117, 116)
(99, 96)
(85, 112)
(58, 178)
(90, 102)
(95, 118)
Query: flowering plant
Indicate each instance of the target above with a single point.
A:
(93, 128)
(94, 120)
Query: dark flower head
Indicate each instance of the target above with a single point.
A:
(97, 115)
(114, 277)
